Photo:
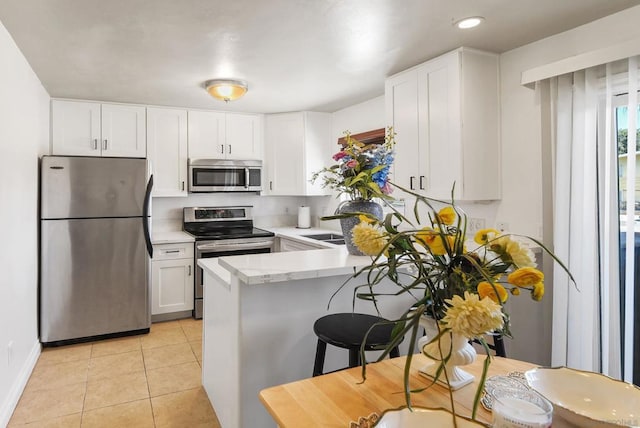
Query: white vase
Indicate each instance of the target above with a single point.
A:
(459, 352)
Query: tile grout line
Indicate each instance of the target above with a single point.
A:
(146, 377)
(86, 385)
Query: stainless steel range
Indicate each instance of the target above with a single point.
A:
(222, 231)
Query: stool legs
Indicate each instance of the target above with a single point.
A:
(321, 350)
(395, 352)
(354, 358)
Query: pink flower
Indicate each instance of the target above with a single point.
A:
(387, 189)
(352, 163)
(339, 155)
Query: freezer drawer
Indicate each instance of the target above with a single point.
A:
(94, 278)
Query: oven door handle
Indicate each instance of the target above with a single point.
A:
(234, 246)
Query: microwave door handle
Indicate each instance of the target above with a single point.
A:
(246, 178)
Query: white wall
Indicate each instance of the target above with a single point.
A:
(24, 135)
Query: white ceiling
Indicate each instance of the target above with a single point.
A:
(318, 55)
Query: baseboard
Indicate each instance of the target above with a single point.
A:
(11, 401)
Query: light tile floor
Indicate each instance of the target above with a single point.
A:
(149, 380)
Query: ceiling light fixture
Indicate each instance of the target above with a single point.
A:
(226, 89)
(472, 21)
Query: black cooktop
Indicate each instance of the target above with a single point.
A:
(230, 230)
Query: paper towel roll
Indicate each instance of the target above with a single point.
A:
(304, 218)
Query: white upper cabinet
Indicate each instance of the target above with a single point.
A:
(296, 145)
(167, 150)
(94, 129)
(445, 113)
(215, 135)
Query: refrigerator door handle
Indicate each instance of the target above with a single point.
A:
(146, 218)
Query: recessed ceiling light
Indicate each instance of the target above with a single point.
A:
(470, 22)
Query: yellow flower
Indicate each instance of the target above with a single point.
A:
(515, 291)
(538, 292)
(485, 289)
(425, 236)
(369, 239)
(472, 317)
(511, 250)
(485, 235)
(437, 245)
(446, 215)
(525, 277)
(366, 219)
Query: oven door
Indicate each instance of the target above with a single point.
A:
(223, 248)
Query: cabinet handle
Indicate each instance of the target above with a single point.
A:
(95, 144)
(189, 270)
(229, 148)
(172, 251)
(221, 148)
(411, 182)
(183, 186)
(271, 185)
(105, 144)
(421, 182)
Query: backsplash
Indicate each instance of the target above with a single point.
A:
(268, 211)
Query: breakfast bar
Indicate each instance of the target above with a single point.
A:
(259, 312)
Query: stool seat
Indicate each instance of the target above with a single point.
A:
(348, 330)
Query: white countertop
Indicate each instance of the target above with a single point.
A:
(294, 265)
(170, 237)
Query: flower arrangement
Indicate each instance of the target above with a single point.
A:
(362, 170)
(461, 284)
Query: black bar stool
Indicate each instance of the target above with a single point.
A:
(347, 331)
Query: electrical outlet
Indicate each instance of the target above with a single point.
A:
(475, 224)
(502, 226)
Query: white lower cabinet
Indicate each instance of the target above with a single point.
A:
(172, 273)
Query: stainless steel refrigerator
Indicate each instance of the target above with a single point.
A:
(94, 248)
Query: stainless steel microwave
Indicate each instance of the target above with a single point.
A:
(218, 175)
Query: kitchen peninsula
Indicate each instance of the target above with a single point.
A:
(259, 312)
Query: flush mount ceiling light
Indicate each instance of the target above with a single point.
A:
(472, 21)
(226, 89)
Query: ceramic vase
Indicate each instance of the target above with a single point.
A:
(347, 224)
(450, 345)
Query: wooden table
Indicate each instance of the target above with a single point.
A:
(336, 399)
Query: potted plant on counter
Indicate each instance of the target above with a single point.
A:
(360, 174)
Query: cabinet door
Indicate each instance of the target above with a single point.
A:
(401, 99)
(206, 135)
(167, 150)
(75, 128)
(171, 286)
(123, 131)
(243, 136)
(440, 160)
(284, 137)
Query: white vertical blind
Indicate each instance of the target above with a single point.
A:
(610, 269)
(632, 109)
(587, 323)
